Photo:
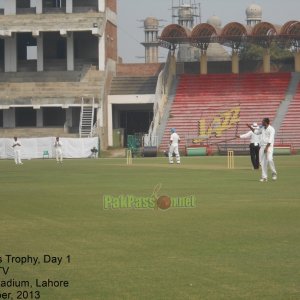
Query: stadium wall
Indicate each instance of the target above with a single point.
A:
(139, 69)
(225, 67)
(111, 42)
(112, 4)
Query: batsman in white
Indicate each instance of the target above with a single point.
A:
(174, 142)
(58, 150)
(17, 151)
(266, 148)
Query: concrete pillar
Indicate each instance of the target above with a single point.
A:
(100, 116)
(39, 118)
(235, 62)
(70, 51)
(9, 120)
(39, 6)
(101, 53)
(203, 63)
(40, 52)
(10, 54)
(267, 60)
(101, 5)
(110, 124)
(173, 65)
(297, 61)
(10, 7)
(69, 6)
(69, 117)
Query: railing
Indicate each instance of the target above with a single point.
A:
(84, 9)
(150, 141)
(94, 130)
(163, 87)
(109, 68)
(92, 121)
(81, 115)
(25, 10)
(157, 104)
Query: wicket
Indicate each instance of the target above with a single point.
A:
(128, 157)
(230, 159)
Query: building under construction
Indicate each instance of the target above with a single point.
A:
(56, 58)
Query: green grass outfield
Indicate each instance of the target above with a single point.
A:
(242, 241)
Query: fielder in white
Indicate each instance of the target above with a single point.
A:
(17, 151)
(266, 148)
(58, 150)
(174, 142)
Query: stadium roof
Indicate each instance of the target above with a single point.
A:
(232, 34)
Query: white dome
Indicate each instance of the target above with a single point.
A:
(254, 12)
(185, 12)
(151, 22)
(214, 21)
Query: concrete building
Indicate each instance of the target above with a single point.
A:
(53, 54)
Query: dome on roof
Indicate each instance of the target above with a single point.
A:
(214, 21)
(254, 12)
(185, 12)
(151, 22)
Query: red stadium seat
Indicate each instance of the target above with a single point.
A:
(207, 96)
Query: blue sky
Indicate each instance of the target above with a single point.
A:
(131, 11)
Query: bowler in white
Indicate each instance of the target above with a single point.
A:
(174, 142)
(267, 133)
(58, 150)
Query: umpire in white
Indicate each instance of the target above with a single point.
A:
(254, 145)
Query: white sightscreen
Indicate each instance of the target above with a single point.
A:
(34, 147)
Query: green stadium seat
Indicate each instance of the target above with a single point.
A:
(46, 154)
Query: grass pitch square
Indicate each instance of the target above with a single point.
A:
(240, 241)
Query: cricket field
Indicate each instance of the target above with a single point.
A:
(89, 230)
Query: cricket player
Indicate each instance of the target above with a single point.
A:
(174, 142)
(58, 150)
(267, 133)
(17, 151)
(254, 145)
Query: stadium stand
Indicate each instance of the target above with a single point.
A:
(50, 87)
(290, 128)
(223, 104)
(128, 85)
(37, 132)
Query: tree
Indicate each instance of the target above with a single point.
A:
(255, 52)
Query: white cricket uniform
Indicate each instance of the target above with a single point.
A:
(267, 137)
(17, 152)
(58, 151)
(174, 140)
